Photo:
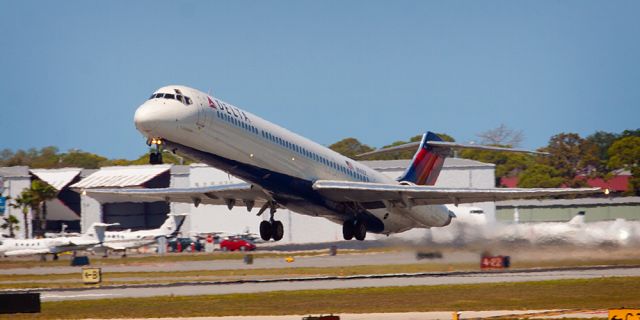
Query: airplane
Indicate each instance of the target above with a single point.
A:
(575, 231)
(285, 170)
(123, 240)
(471, 226)
(16, 247)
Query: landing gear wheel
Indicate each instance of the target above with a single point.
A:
(277, 230)
(360, 231)
(265, 230)
(155, 158)
(347, 230)
(55, 257)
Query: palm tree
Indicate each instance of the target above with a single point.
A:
(23, 202)
(11, 223)
(41, 192)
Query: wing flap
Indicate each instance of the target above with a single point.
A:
(217, 195)
(364, 192)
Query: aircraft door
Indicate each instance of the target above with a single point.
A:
(202, 113)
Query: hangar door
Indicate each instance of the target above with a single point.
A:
(136, 216)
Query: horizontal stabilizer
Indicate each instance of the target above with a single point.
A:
(443, 146)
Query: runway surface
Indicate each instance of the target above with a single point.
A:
(315, 284)
(531, 314)
(385, 258)
(344, 258)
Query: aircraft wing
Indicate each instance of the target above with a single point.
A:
(26, 252)
(364, 192)
(240, 193)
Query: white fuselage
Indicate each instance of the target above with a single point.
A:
(16, 247)
(129, 239)
(283, 163)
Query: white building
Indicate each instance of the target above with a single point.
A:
(12, 181)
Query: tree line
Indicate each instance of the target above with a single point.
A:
(572, 159)
(50, 158)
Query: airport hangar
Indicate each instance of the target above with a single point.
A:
(79, 211)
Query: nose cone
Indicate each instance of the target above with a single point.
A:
(146, 118)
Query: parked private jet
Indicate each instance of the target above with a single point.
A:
(120, 241)
(92, 237)
(471, 226)
(283, 169)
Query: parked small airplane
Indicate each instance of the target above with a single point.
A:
(472, 226)
(120, 241)
(16, 247)
(283, 169)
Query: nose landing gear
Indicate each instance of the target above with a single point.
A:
(155, 156)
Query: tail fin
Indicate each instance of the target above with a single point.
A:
(427, 162)
(578, 219)
(96, 230)
(172, 225)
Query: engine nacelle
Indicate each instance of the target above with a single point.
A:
(430, 216)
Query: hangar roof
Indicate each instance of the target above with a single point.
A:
(393, 165)
(57, 178)
(118, 177)
(16, 171)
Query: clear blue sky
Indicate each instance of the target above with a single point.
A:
(73, 72)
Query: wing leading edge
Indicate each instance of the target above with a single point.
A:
(364, 192)
(240, 193)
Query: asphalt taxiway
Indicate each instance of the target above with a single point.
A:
(316, 283)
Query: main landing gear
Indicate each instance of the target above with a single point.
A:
(354, 228)
(272, 229)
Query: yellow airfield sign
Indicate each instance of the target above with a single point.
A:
(91, 275)
(624, 314)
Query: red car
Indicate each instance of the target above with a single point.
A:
(236, 244)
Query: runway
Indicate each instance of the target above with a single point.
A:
(384, 258)
(434, 315)
(254, 286)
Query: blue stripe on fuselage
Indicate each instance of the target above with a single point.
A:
(291, 192)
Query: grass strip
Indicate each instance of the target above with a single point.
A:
(601, 293)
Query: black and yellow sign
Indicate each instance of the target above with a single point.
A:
(624, 314)
(91, 275)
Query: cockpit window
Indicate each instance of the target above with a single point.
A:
(184, 99)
